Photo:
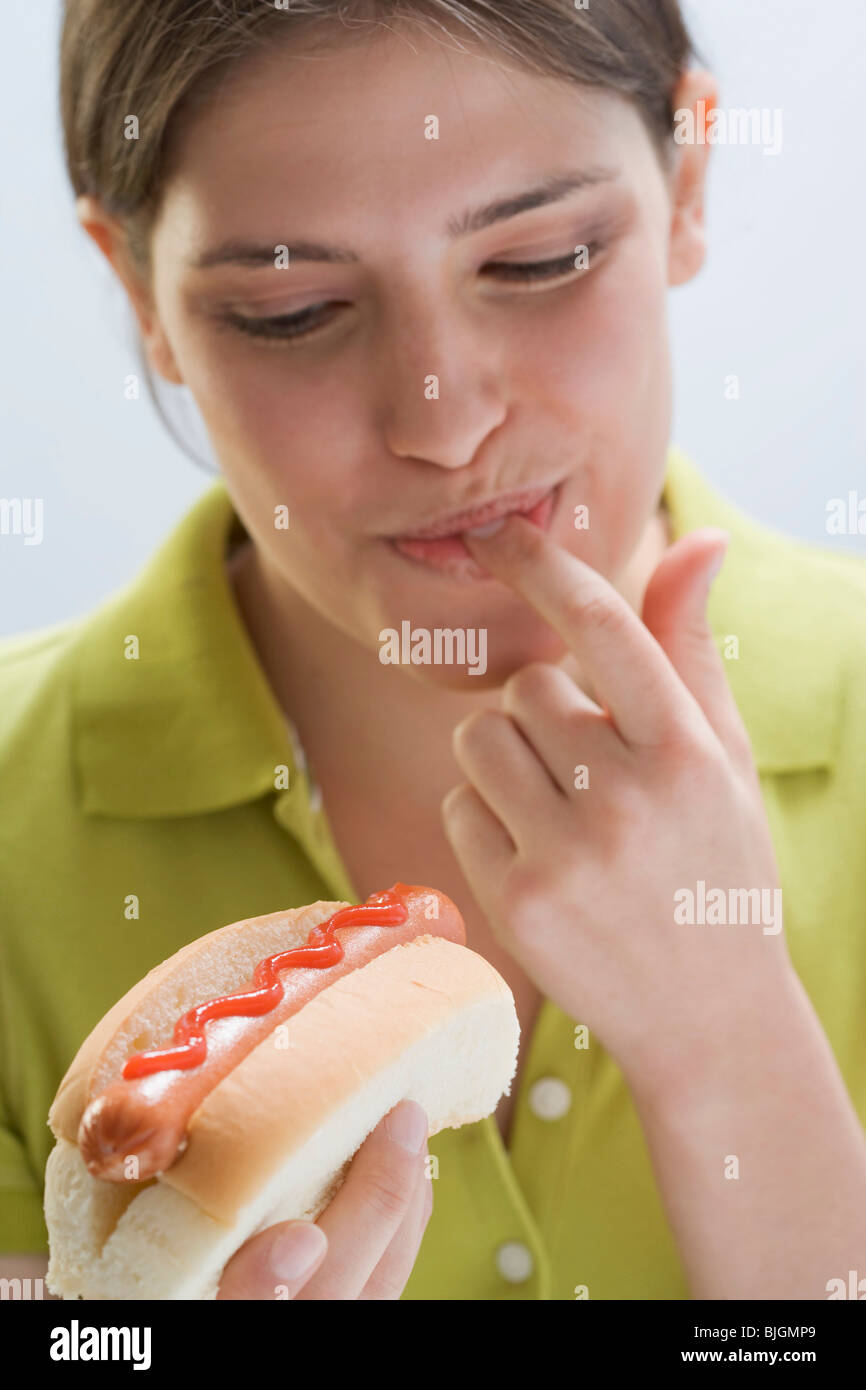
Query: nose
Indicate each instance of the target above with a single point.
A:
(441, 389)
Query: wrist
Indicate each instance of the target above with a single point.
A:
(733, 1051)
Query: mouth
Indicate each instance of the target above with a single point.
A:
(440, 545)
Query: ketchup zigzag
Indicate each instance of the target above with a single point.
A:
(321, 951)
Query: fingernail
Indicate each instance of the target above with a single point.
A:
(715, 567)
(296, 1251)
(407, 1126)
(489, 530)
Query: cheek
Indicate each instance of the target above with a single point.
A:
(256, 407)
(601, 356)
(285, 433)
(602, 370)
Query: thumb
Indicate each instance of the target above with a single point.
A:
(675, 612)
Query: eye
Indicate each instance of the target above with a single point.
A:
(285, 326)
(540, 271)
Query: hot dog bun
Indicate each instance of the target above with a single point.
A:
(427, 1019)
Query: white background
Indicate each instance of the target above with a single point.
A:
(780, 304)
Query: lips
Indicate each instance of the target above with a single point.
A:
(474, 517)
(443, 550)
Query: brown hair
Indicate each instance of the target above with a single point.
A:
(156, 59)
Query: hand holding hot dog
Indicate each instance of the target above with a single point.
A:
(365, 1243)
(579, 885)
(231, 1104)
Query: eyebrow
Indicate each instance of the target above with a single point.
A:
(553, 189)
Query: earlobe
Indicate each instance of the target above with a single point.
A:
(688, 243)
(161, 357)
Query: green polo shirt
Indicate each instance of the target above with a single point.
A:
(141, 812)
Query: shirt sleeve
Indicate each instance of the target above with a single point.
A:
(22, 1220)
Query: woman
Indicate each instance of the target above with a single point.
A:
(412, 265)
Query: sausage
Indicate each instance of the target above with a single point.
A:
(134, 1129)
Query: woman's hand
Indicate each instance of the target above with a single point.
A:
(366, 1241)
(579, 884)
(715, 1034)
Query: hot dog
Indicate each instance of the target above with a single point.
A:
(231, 1087)
(145, 1116)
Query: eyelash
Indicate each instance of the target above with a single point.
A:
(290, 327)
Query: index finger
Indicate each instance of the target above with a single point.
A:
(374, 1200)
(630, 673)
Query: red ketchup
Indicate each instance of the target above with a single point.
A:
(322, 950)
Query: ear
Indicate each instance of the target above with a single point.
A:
(688, 245)
(110, 236)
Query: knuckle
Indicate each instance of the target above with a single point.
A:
(392, 1273)
(680, 741)
(601, 611)
(387, 1195)
(698, 752)
(457, 800)
(691, 759)
(476, 729)
(383, 1289)
(695, 629)
(681, 750)
(530, 685)
(528, 898)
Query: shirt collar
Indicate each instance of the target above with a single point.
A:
(189, 724)
(192, 725)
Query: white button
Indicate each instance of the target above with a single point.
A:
(514, 1261)
(302, 766)
(549, 1098)
(297, 749)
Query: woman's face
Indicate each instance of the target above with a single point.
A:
(405, 367)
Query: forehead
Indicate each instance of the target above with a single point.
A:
(347, 130)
